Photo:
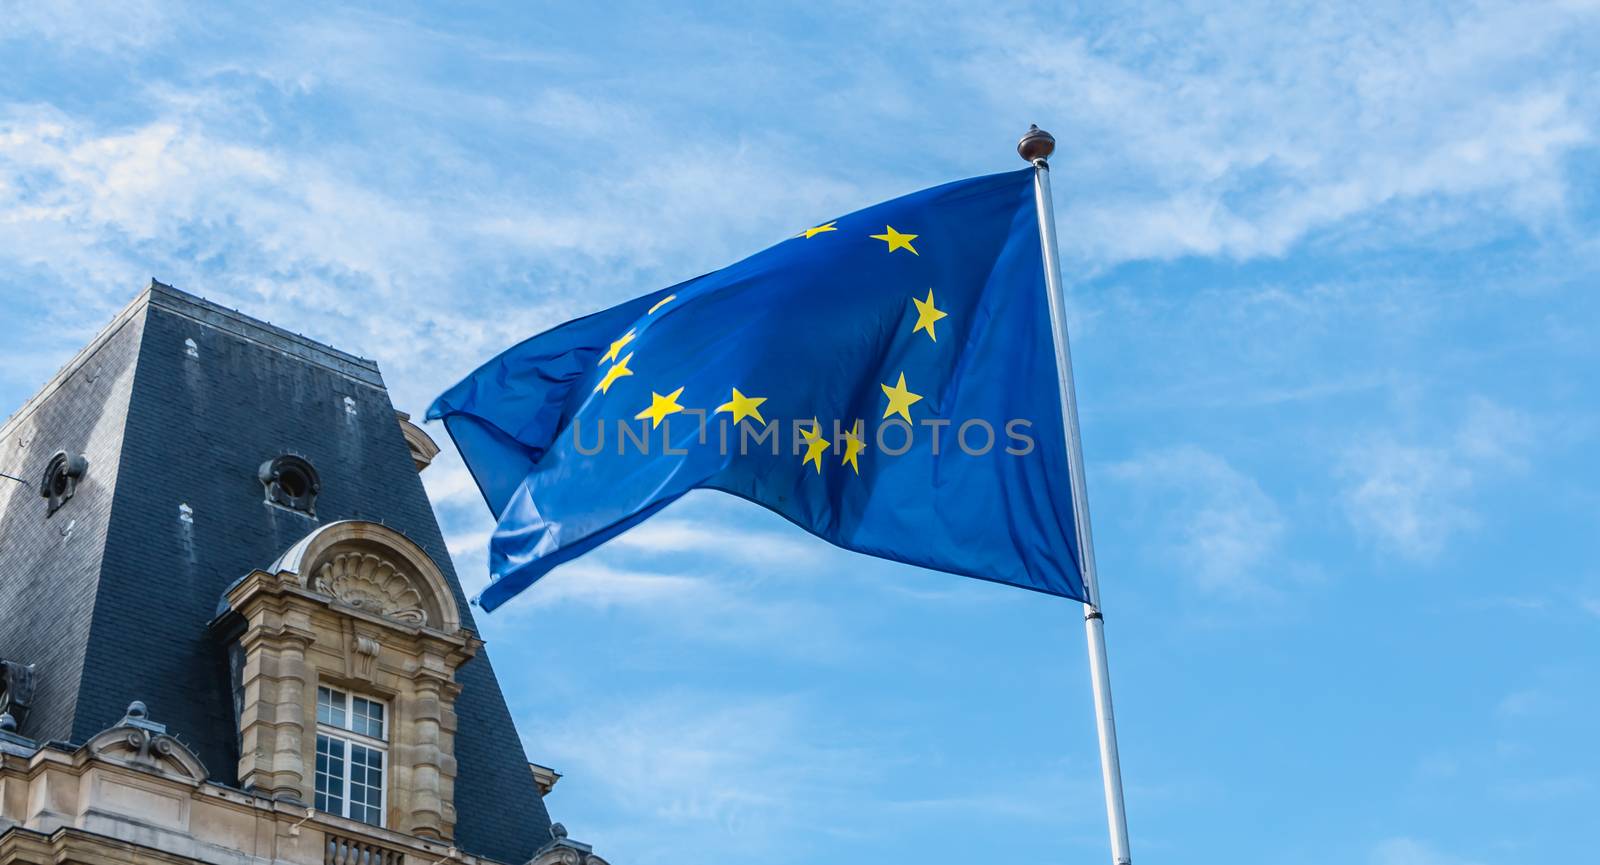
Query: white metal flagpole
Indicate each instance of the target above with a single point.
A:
(1036, 147)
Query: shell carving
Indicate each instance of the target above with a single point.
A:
(369, 583)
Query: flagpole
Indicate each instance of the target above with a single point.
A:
(1036, 147)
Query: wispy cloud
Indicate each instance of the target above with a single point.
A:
(88, 25)
(751, 771)
(1211, 134)
(394, 258)
(1407, 497)
(707, 604)
(716, 538)
(1412, 497)
(1525, 703)
(1411, 851)
(1570, 788)
(592, 584)
(1215, 523)
(696, 577)
(768, 771)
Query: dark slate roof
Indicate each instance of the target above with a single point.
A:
(50, 565)
(117, 609)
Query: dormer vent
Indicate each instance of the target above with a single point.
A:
(61, 478)
(291, 482)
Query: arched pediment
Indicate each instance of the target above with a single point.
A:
(136, 741)
(374, 568)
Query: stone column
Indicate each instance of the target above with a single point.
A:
(273, 724)
(429, 745)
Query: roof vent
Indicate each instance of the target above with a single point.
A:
(16, 690)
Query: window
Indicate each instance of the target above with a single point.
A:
(352, 744)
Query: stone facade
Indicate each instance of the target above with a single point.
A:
(135, 794)
(355, 606)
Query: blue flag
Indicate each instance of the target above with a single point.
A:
(886, 380)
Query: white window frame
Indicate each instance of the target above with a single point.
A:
(346, 737)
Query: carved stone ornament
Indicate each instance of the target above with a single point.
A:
(373, 585)
(373, 568)
(365, 656)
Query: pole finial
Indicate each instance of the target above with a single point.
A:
(1037, 144)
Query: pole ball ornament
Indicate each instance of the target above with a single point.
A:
(1037, 144)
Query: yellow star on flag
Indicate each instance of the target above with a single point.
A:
(816, 445)
(927, 314)
(743, 406)
(813, 232)
(660, 407)
(617, 370)
(662, 302)
(853, 446)
(900, 399)
(896, 240)
(611, 353)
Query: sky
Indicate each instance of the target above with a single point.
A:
(1333, 294)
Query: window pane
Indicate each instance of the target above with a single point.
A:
(330, 707)
(330, 774)
(366, 784)
(366, 717)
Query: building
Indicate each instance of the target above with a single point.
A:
(229, 628)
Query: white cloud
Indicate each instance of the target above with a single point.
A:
(1563, 788)
(447, 480)
(1408, 498)
(1230, 131)
(1410, 851)
(699, 576)
(1412, 498)
(593, 584)
(397, 254)
(718, 539)
(1525, 703)
(469, 543)
(738, 774)
(1494, 435)
(708, 603)
(1217, 524)
(103, 27)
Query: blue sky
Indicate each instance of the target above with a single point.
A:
(1333, 274)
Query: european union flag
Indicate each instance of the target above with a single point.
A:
(886, 380)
